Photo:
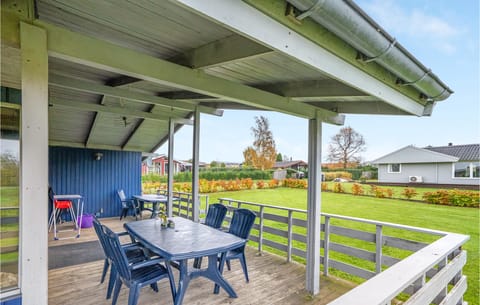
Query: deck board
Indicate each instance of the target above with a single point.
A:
(272, 281)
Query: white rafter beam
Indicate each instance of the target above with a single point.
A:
(118, 110)
(87, 86)
(231, 49)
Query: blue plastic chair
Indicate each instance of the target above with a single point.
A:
(128, 204)
(134, 253)
(215, 215)
(135, 275)
(241, 225)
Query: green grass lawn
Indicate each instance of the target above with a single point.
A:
(445, 218)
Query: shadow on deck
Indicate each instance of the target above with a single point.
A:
(272, 281)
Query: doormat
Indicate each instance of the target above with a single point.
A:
(74, 254)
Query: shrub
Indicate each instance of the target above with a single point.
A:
(409, 193)
(324, 187)
(453, 197)
(246, 184)
(357, 189)
(260, 184)
(329, 176)
(338, 188)
(388, 192)
(295, 183)
(378, 192)
(273, 183)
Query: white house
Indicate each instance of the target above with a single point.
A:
(452, 164)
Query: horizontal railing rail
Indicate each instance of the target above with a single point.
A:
(369, 250)
(182, 203)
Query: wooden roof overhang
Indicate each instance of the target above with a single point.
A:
(119, 70)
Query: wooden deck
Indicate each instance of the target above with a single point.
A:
(272, 281)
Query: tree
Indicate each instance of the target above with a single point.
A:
(250, 157)
(279, 157)
(214, 164)
(345, 147)
(262, 154)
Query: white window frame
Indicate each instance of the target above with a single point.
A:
(15, 291)
(389, 168)
(470, 166)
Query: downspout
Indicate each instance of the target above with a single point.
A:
(353, 25)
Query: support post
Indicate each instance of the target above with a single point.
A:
(34, 166)
(171, 132)
(195, 163)
(314, 205)
(378, 249)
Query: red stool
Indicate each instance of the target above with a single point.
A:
(59, 207)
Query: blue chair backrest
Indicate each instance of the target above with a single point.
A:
(215, 215)
(121, 194)
(242, 223)
(119, 258)
(100, 234)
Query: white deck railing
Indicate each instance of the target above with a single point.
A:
(424, 268)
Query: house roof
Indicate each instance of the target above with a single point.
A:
(412, 154)
(119, 71)
(467, 152)
(286, 164)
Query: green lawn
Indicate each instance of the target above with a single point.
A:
(446, 218)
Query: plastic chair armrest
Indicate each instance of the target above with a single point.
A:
(147, 263)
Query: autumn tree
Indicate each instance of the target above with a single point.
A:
(262, 154)
(345, 147)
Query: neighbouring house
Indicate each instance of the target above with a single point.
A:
(298, 166)
(159, 165)
(452, 164)
(295, 165)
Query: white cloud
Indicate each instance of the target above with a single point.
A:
(399, 21)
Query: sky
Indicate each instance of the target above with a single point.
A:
(443, 35)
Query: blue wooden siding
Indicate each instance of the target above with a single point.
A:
(17, 300)
(74, 171)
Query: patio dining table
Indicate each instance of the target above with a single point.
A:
(188, 240)
(156, 200)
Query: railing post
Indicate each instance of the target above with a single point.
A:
(418, 284)
(260, 231)
(326, 246)
(206, 204)
(443, 293)
(378, 251)
(290, 231)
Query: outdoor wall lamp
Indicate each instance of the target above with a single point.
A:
(97, 156)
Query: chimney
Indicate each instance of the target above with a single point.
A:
(450, 144)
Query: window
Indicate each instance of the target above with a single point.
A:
(466, 170)
(9, 196)
(394, 168)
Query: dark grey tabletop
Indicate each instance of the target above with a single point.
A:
(187, 240)
(151, 198)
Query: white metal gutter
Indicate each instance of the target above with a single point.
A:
(352, 24)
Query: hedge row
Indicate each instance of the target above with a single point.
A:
(229, 174)
(459, 198)
(445, 197)
(213, 186)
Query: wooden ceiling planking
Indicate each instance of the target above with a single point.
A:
(140, 25)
